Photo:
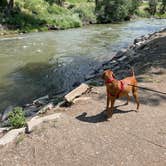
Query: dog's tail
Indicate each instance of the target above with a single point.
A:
(132, 72)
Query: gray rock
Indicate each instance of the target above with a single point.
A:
(120, 53)
(116, 68)
(107, 67)
(11, 135)
(6, 113)
(137, 40)
(90, 76)
(3, 129)
(76, 92)
(113, 62)
(38, 120)
(46, 108)
(122, 58)
(30, 110)
(41, 101)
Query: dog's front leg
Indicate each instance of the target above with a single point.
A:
(111, 109)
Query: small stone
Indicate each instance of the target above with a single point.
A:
(46, 108)
(90, 76)
(137, 40)
(29, 111)
(122, 58)
(41, 101)
(120, 53)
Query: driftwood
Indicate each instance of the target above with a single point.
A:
(76, 92)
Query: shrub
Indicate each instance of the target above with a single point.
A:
(116, 10)
(86, 12)
(152, 7)
(17, 118)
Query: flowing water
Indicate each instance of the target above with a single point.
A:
(36, 64)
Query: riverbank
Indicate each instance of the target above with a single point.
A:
(30, 16)
(40, 15)
(82, 136)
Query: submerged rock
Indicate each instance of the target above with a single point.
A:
(30, 110)
(6, 113)
(41, 101)
(120, 53)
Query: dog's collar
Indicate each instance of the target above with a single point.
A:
(109, 80)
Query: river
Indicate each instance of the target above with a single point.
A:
(35, 64)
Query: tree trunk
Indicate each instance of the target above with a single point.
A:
(96, 2)
(11, 4)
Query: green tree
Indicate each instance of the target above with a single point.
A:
(115, 10)
(134, 6)
(163, 7)
(152, 6)
(6, 5)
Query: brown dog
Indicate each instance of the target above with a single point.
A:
(118, 88)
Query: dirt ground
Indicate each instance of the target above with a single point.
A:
(83, 137)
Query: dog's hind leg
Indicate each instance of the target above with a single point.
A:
(128, 99)
(135, 94)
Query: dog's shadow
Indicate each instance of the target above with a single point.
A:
(101, 117)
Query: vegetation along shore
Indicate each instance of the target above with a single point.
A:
(17, 16)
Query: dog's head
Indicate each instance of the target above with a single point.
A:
(108, 74)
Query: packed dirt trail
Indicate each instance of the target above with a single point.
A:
(83, 137)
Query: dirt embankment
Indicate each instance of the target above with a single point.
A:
(83, 137)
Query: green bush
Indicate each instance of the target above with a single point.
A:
(115, 10)
(86, 12)
(143, 13)
(38, 15)
(17, 118)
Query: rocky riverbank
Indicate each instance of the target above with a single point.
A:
(140, 54)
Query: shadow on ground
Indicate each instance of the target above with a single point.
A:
(101, 117)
